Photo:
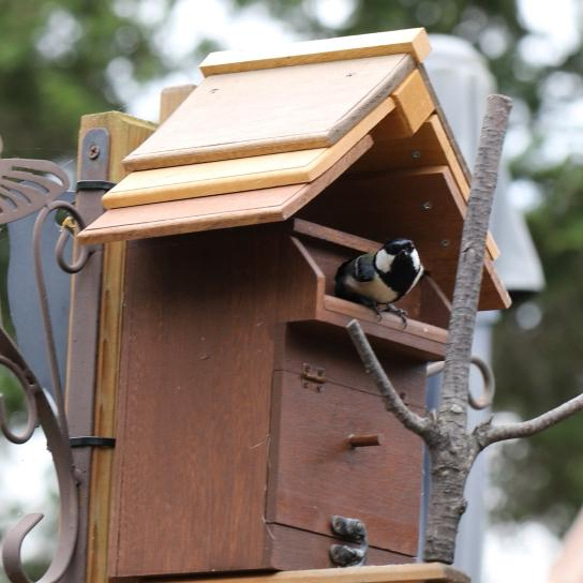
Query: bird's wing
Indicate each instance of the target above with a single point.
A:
(27, 185)
(364, 268)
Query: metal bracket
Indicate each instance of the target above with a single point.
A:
(95, 185)
(92, 441)
(351, 530)
(313, 375)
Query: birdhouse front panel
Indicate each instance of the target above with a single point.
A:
(256, 217)
(237, 416)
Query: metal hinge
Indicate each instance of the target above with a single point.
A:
(313, 377)
(351, 530)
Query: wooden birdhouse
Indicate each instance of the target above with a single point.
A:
(244, 417)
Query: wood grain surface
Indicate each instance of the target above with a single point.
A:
(292, 548)
(273, 110)
(410, 573)
(195, 385)
(171, 98)
(413, 41)
(212, 178)
(424, 205)
(126, 133)
(215, 212)
(310, 342)
(319, 475)
(429, 146)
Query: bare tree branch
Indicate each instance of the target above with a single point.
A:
(452, 450)
(393, 402)
(454, 394)
(487, 434)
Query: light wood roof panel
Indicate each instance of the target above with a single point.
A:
(270, 111)
(213, 178)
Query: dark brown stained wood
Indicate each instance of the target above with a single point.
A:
(417, 339)
(319, 474)
(341, 238)
(196, 377)
(294, 549)
(433, 306)
(424, 205)
(330, 256)
(330, 348)
(301, 283)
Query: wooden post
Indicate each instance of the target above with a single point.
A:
(126, 133)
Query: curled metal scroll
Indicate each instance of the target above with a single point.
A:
(28, 186)
(58, 445)
(489, 382)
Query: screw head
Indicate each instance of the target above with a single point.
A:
(445, 242)
(416, 154)
(427, 205)
(94, 151)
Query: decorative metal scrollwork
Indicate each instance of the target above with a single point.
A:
(488, 380)
(28, 186)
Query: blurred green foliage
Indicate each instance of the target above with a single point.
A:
(539, 360)
(58, 59)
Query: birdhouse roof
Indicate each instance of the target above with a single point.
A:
(267, 132)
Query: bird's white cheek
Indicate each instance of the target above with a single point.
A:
(383, 260)
(415, 259)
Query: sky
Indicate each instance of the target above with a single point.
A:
(522, 553)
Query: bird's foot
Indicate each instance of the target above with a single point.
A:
(399, 312)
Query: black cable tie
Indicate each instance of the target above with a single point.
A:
(92, 441)
(95, 185)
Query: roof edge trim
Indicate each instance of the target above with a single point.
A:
(413, 41)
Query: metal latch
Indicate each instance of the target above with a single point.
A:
(351, 530)
(313, 377)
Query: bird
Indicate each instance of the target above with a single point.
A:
(379, 279)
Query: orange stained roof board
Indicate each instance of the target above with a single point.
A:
(242, 174)
(272, 110)
(413, 41)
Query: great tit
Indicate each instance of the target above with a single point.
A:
(377, 280)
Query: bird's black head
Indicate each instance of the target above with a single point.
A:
(396, 246)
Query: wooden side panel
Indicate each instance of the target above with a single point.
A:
(332, 350)
(318, 474)
(211, 178)
(269, 111)
(413, 41)
(196, 383)
(294, 549)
